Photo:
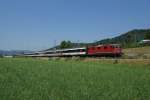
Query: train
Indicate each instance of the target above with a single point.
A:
(106, 50)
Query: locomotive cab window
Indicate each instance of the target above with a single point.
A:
(112, 46)
(117, 46)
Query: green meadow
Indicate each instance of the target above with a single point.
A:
(33, 79)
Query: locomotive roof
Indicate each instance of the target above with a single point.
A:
(105, 45)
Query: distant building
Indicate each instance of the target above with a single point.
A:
(8, 56)
(145, 42)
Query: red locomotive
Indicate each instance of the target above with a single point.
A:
(99, 50)
(105, 50)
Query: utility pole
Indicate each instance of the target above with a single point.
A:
(135, 38)
(54, 44)
(78, 43)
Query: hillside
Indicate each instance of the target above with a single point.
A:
(13, 52)
(127, 40)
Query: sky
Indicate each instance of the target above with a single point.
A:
(38, 24)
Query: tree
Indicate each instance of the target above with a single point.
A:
(65, 44)
(69, 44)
(147, 36)
(1, 56)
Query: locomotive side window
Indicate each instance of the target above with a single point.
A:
(93, 48)
(105, 47)
(99, 47)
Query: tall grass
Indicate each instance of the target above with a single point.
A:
(28, 79)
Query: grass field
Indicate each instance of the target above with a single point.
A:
(29, 79)
(145, 49)
(140, 52)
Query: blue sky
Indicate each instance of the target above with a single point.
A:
(36, 24)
